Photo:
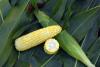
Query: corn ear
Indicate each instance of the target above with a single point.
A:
(67, 42)
(36, 37)
(51, 46)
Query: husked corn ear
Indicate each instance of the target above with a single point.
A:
(36, 37)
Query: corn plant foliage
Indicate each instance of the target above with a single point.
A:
(81, 26)
(7, 29)
(79, 17)
(88, 41)
(4, 8)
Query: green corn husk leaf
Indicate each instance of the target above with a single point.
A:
(74, 49)
(7, 29)
(67, 42)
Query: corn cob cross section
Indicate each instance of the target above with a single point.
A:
(51, 46)
(36, 37)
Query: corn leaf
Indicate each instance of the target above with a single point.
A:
(22, 64)
(90, 38)
(82, 22)
(57, 9)
(4, 7)
(98, 62)
(12, 59)
(94, 51)
(14, 55)
(8, 28)
(13, 2)
(88, 41)
(1, 18)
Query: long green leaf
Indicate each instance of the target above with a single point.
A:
(1, 18)
(12, 59)
(55, 8)
(8, 28)
(60, 12)
(81, 23)
(68, 13)
(89, 39)
(48, 6)
(14, 55)
(5, 7)
(98, 62)
(80, 6)
(94, 51)
(22, 64)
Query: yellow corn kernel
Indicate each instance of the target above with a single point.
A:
(51, 46)
(37, 37)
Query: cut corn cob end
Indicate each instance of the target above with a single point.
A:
(51, 46)
(36, 37)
